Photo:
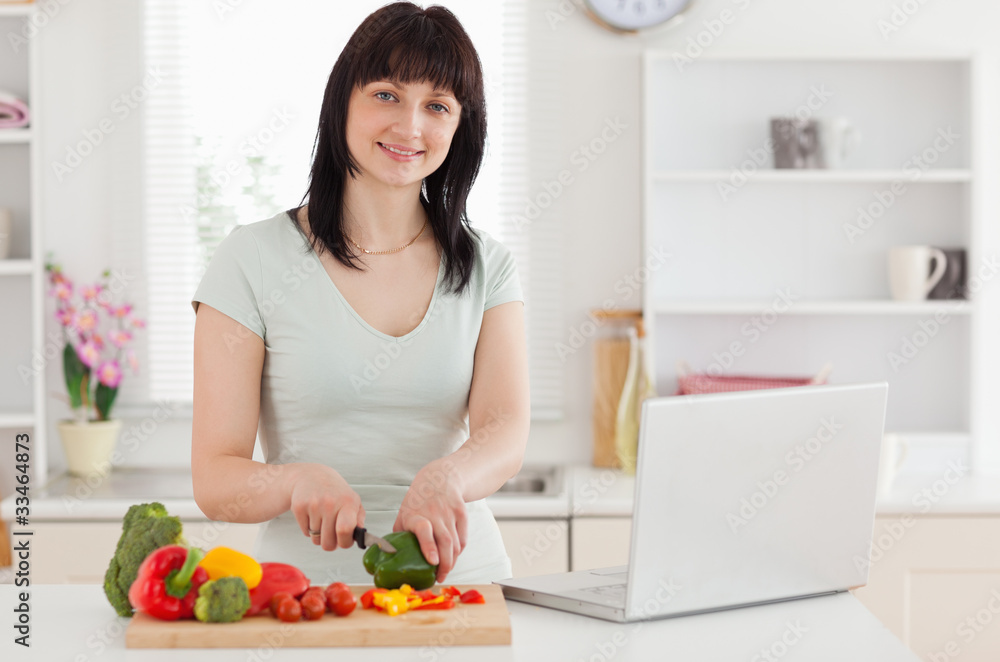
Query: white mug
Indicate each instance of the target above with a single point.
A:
(837, 138)
(894, 449)
(908, 267)
(6, 226)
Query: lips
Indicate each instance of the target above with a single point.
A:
(400, 148)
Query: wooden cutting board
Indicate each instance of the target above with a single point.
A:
(464, 625)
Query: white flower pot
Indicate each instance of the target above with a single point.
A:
(89, 446)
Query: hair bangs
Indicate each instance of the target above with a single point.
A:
(421, 53)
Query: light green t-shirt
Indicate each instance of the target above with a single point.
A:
(336, 391)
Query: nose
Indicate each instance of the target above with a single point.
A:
(408, 123)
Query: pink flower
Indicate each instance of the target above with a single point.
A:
(65, 315)
(121, 311)
(90, 292)
(88, 353)
(63, 290)
(85, 321)
(119, 338)
(138, 323)
(109, 374)
(133, 362)
(98, 340)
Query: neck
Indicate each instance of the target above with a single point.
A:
(381, 217)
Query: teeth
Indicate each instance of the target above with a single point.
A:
(400, 152)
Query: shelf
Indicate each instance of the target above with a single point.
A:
(15, 267)
(812, 176)
(856, 307)
(788, 57)
(15, 136)
(10, 420)
(18, 9)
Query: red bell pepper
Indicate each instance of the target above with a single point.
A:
(438, 603)
(472, 597)
(276, 578)
(368, 597)
(451, 591)
(167, 583)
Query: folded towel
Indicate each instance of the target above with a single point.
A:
(13, 111)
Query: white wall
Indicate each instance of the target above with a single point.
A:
(599, 77)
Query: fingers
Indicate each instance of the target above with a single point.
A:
(424, 532)
(461, 529)
(347, 519)
(449, 547)
(302, 517)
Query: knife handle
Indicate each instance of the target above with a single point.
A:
(359, 536)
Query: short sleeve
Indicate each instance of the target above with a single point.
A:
(232, 284)
(502, 281)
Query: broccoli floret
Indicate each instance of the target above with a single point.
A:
(223, 600)
(145, 528)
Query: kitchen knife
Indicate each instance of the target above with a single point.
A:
(365, 539)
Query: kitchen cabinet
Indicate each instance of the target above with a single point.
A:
(935, 583)
(754, 270)
(600, 542)
(536, 546)
(79, 552)
(22, 275)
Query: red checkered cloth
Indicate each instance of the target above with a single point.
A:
(701, 383)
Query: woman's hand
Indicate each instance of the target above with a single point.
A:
(323, 501)
(434, 510)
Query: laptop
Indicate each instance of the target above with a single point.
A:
(741, 499)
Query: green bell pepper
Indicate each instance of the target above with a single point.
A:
(406, 565)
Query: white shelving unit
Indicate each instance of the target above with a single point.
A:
(22, 276)
(764, 275)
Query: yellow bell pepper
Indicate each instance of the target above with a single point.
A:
(225, 562)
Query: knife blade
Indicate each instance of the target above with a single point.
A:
(365, 539)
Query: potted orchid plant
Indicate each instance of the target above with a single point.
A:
(98, 334)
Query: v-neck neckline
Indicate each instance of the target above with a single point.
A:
(385, 336)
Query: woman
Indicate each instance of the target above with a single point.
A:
(376, 339)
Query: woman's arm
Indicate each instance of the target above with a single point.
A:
(228, 485)
(499, 407)
(499, 419)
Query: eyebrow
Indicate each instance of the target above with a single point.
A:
(436, 91)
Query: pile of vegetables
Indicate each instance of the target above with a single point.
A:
(155, 571)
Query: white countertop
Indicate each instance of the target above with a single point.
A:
(75, 622)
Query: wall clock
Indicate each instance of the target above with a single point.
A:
(634, 15)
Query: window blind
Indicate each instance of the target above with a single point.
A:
(180, 228)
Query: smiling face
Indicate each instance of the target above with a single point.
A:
(400, 133)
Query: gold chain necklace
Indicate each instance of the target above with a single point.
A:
(393, 250)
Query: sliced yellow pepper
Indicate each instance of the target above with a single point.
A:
(225, 562)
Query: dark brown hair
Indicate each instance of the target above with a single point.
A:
(426, 45)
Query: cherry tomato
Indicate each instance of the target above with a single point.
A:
(340, 599)
(289, 610)
(276, 600)
(314, 590)
(313, 608)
